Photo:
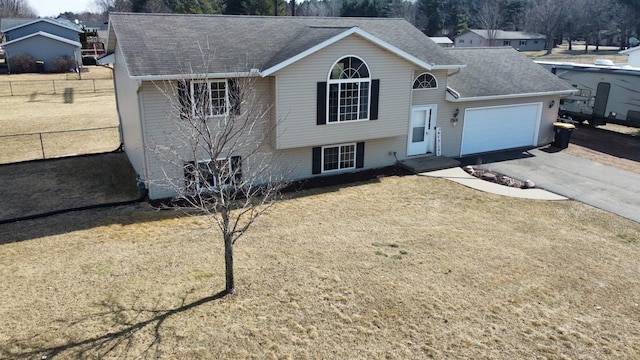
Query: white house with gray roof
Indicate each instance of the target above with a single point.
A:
(519, 40)
(413, 97)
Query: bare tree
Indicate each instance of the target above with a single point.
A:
(107, 6)
(218, 160)
(490, 18)
(16, 8)
(547, 17)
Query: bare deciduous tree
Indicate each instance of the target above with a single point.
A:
(218, 161)
(490, 18)
(16, 8)
(547, 17)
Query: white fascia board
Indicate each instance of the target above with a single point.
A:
(195, 76)
(367, 36)
(52, 22)
(562, 93)
(47, 35)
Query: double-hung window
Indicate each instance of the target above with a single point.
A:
(210, 98)
(338, 157)
(209, 175)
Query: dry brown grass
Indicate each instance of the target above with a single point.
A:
(41, 111)
(408, 267)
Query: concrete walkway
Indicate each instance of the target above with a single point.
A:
(460, 176)
(605, 187)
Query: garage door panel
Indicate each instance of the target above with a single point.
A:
(501, 127)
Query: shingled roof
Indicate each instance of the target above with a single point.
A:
(168, 44)
(501, 72)
(508, 35)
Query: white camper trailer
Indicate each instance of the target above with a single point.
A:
(606, 93)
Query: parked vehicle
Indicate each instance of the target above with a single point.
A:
(606, 93)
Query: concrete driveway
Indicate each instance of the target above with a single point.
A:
(602, 186)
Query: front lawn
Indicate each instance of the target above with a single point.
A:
(404, 267)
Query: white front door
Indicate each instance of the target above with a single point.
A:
(421, 130)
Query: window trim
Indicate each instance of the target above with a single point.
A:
(208, 83)
(355, 156)
(368, 80)
(424, 88)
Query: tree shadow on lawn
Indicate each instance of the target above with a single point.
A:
(119, 343)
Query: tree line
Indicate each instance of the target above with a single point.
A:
(556, 19)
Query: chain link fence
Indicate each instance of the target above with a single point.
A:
(53, 144)
(52, 87)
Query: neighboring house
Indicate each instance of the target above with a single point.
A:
(442, 41)
(634, 56)
(519, 40)
(606, 38)
(42, 39)
(42, 46)
(65, 29)
(413, 97)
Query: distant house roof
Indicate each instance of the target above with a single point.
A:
(500, 72)
(507, 35)
(45, 34)
(8, 23)
(163, 45)
(441, 39)
(66, 24)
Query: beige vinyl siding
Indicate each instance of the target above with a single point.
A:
(453, 143)
(162, 133)
(128, 106)
(297, 88)
(377, 153)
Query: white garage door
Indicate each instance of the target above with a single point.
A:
(500, 127)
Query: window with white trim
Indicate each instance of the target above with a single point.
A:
(523, 42)
(425, 81)
(210, 97)
(207, 98)
(338, 157)
(208, 175)
(349, 90)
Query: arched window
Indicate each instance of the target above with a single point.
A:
(425, 81)
(349, 90)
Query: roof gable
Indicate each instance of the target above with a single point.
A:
(46, 35)
(250, 44)
(501, 72)
(50, 21)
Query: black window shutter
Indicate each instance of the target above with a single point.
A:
(321, 118)
(317, 160)
(234, 97)
(360, 155)
(190, 175)
(236, 168)
(184, 97)
(375, 94)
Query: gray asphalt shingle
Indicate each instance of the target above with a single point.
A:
(501, 71)
(170, 44)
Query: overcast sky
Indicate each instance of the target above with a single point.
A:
(54, 8)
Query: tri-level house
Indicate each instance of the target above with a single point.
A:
(345, 93)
